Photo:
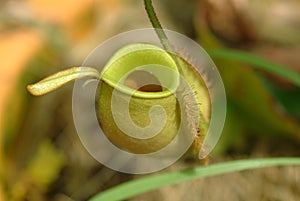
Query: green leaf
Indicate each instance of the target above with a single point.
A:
(258, 63)
(255, 103)
(138, 186)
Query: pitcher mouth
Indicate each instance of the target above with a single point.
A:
(136, 81)
(142, 70)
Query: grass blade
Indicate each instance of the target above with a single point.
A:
(258, 63)
(138, 186)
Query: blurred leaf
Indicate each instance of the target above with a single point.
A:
(16, 50)
(258, 63)
(36, 65)
(247, 92)
(45, 166)
(289, 98)
(28, 57)
(231, 135)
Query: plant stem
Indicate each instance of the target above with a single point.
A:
(160, 31)
(182, 92)
(157, 26)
